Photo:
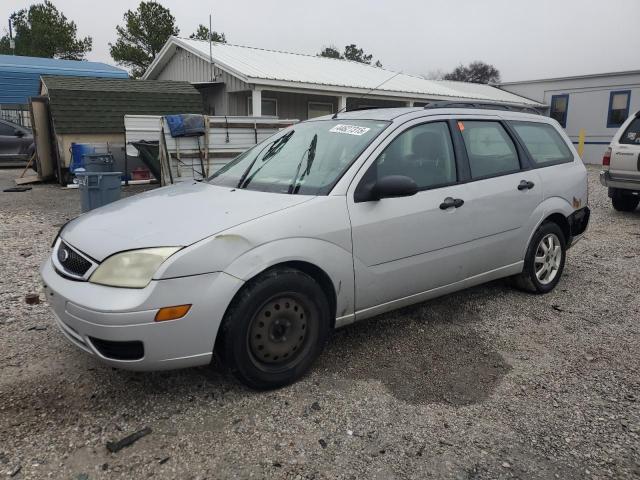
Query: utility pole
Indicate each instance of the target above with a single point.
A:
(213, 77)
(12, 42)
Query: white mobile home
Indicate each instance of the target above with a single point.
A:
(597, 104)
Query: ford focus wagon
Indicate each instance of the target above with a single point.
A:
(328, 222)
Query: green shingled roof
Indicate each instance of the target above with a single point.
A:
(98, 105)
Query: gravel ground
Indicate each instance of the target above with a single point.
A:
(485, 383)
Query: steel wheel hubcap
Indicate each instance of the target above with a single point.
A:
(278, 331)
(548, 258)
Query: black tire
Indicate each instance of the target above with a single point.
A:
(624, 203)
(274, 329)
(528, 281)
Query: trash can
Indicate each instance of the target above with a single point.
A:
(98, 162)
(98, 188)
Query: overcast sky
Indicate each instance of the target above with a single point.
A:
(524, 39)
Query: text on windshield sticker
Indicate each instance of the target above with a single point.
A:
(350, 129)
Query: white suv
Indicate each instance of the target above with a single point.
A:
(621, 166)
(328, 222)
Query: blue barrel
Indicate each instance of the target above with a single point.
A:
(78, 151)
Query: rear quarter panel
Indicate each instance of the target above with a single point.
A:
(564, 191)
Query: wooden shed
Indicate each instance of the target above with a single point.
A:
(92, 110)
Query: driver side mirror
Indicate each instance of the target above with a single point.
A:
(387, 187)
(18, 133)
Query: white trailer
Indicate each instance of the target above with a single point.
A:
(196, 157)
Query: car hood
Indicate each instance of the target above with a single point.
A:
(171, 216)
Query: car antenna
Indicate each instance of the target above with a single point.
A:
(335, 115)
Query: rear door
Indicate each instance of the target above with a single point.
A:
(503, 193)
(625, 151)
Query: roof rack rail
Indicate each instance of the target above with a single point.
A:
(370, 107)
(483, 105)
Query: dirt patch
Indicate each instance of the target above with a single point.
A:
(429, 353)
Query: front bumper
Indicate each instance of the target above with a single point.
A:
(624, 184)
(117, 325)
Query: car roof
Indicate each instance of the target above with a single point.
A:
(13, 124)
(408, 113)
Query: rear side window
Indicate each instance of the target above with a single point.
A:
(631, 135)
(490, 150)
(6, 129)
(544, 143)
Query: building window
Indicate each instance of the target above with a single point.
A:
(318, 109)
(269, 107)
(618, 108)
(559, 107)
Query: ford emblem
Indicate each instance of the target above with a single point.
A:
(63, 254)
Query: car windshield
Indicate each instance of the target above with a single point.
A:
(307, 158)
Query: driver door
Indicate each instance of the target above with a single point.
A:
(408, 245)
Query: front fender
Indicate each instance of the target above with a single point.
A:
(334, 260)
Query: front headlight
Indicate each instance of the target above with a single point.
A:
(133, 269)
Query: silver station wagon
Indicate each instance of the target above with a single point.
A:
(328, 222)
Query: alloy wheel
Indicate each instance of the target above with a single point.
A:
(548, 258)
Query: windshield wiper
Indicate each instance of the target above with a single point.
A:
(311, 155)
(275, 147)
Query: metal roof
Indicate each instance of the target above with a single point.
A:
(98, 105)
(574, 77)
(271, 68)
(20, 76)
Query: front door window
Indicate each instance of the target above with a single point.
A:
(423, 153)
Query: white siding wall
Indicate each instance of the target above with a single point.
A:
(588, 105)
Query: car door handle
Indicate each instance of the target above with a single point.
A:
(526, 185)
(451, 202)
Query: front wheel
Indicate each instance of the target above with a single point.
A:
(274, 329)
(544, 260)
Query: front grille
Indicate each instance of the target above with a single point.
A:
(72, 261)
(119, 350)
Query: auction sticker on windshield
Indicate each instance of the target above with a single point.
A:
(350, 129)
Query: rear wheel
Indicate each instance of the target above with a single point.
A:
(544, 260)
(624, 202)
(275, 328)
